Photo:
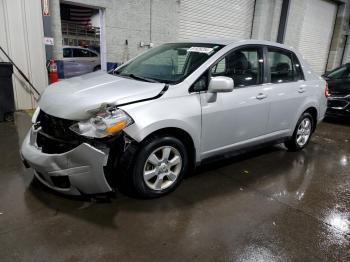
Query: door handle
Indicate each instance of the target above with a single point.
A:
(71, 61)
(261, 96)
(301, 90)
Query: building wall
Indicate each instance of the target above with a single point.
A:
(157, 21)
(21, 36)
(266, 19)
(136, 21)
(337, 54)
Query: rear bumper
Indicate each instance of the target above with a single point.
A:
(338, 106)
(78, 171)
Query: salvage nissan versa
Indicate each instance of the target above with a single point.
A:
(145, 125)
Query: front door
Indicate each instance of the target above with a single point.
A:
(239, 118)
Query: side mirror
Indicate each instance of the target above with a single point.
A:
(220, 84)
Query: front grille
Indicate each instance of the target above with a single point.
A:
(55, 137)
(337, 103)
(56, 127)
(51, 145)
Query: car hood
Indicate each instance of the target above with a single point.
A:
(75, 97)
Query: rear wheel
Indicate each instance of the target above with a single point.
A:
(302, 133)
(157, 168)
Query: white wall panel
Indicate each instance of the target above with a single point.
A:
(23, 41)
(215, 18)
(312, 34)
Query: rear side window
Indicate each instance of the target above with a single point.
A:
(80, 52)
(284, 66)
(243, 66)
(67, 52)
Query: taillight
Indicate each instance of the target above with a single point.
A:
(326, 91)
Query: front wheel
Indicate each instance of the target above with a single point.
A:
(158, 167)
(302, 133)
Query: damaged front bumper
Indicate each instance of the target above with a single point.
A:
(75, 172)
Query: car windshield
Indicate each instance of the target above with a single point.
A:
(168, 63)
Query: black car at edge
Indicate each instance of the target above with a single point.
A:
(339, 91)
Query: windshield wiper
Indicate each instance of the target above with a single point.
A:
(140, 78)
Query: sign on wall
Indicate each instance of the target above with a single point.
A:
(48, 41)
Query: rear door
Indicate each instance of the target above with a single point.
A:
(235, 119)
(287, 91)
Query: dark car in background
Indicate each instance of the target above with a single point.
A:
(339, 91)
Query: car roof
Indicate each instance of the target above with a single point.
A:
(218, 41)
(229, 41)
(71, 46)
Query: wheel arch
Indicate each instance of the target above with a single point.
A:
(313, 112)
(180, 134)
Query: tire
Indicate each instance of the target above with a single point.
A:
(302, 133)
(96, 68)
(147, 172)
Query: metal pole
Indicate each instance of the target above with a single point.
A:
(283, 21)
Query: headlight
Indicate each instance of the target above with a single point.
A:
(105, 123)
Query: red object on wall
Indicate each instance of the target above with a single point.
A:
(53, 71)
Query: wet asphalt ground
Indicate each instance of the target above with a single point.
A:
(267, 205)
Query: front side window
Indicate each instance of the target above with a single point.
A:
(244, 66)
(169, 63)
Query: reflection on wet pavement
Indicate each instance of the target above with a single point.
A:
(266, 205)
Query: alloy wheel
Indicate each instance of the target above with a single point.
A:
(162, 168)
(303, 132)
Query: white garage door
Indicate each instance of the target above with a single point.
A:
(312, 34)
(216, 18)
